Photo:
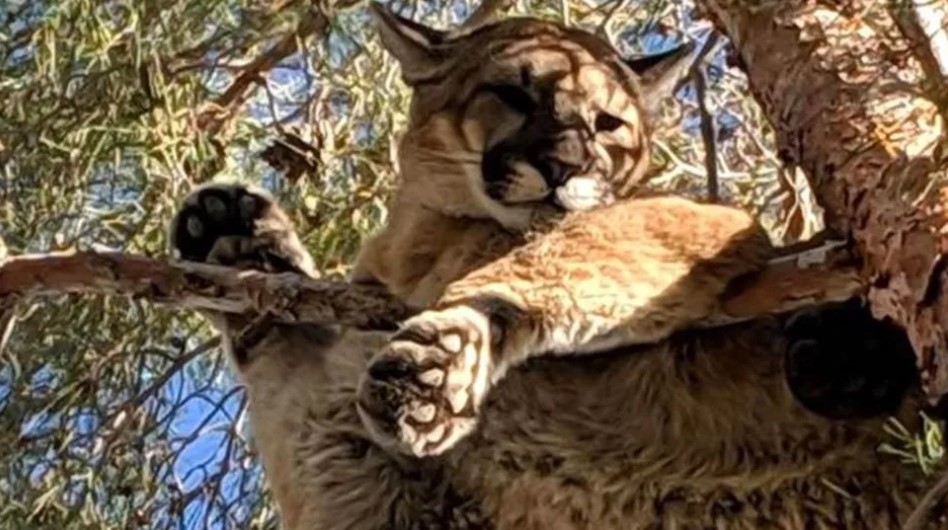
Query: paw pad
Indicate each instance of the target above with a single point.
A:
(423, 393)
(237, 226)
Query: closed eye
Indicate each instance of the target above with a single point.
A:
(514, 96)
(607, 122)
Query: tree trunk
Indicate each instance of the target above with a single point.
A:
(846, 94)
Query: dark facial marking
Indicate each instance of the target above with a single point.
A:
(606, 122)
(514, 96)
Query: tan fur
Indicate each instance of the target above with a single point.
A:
(618, 271)
(441, 199)
(697, 432)
(630, 273)
(635, 271)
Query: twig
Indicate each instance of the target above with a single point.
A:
(919, 516)
(707, 120)
(217, 113)
(601, 29)
(786, 285)
(909, 20)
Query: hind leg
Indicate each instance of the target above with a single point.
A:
(841, 363)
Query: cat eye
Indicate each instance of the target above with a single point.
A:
(607, 122)
(514, 97)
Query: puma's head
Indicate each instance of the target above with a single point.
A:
(524, 112)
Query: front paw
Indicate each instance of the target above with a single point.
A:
(423, 392)
(238, 226)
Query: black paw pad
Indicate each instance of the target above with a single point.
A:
(841, 363)
(214, 212)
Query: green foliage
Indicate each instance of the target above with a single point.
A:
(924, 448)
(115, 414)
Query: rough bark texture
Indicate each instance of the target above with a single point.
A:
(845, 93)
(804, 279)
(286, 297)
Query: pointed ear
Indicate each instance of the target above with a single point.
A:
(413, 45)
(661, 74)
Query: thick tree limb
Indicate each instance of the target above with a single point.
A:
(287, 297)
(788, 284)
(843, 88)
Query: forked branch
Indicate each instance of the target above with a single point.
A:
(215, 115)
(787, 284)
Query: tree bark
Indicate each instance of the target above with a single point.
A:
(845, 91)
(812, 277)
(286, 297)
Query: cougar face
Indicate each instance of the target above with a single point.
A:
(523, 113)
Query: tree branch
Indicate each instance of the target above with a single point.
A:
(790, 283)
(215, 115)
(842, 88)
(707, 120)
(919, 517)
(286, 297)
(908, 15)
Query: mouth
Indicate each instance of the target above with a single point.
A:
(517, 182)
(583, 192)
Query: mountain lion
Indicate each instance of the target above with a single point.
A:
(511, 125)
